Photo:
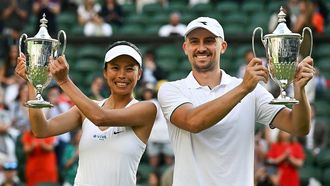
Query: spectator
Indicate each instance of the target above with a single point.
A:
(288, 155)
(41, 159)
(8, 77)
(248, 56)
(304, 18)
(21, 122)
(18, 111)
(320, 16)
(174, 28)
(88, 17)
(317, 138)
(321, 84)
(159, 141)
(196, 2)
(154, 178)
(70, 158)
(167, 177)
(51, 8)
(140, 4)
(264, 174)
(62, 140)
(7, 70)
(7, 133)
(112, 13)
(10, 174)
(152, 73)
(14, 14)
(97, 88)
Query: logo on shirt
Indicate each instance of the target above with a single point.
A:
(100, 137)
(117, 132)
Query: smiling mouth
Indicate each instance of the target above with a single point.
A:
(202, 56)
(121, 84)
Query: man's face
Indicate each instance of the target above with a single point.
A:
(203, 49)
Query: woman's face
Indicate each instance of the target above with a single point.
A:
(122, 74)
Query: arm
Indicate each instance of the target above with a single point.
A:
(197, 119)
(140, 114)
(297, 120)
(28, 148)
(9, 10)
(47, 146)
(296, 162)
(21, 12)
(55, 126)
(69, 162)
(279, 159)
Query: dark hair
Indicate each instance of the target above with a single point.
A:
(125, 43)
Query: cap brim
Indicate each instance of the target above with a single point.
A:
(200, 26)
(122, 50)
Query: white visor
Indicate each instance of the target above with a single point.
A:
(123, 50)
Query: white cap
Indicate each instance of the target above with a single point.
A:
(120, 50)
(207, 23)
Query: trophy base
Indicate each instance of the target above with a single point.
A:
(38, 104)
(284, 101)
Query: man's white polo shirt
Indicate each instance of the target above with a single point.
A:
(221, 155)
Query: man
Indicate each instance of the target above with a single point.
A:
(317, 138)
(174, 28)
(211, 115)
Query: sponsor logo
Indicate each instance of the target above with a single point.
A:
(117, 132)
(100, 137)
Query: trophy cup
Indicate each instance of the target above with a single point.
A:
(282, 51)
(39, 48)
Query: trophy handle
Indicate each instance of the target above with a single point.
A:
(262, 39)
(311, 35)
(20, 43)
(61, 32)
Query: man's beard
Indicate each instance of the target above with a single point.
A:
(209, 67)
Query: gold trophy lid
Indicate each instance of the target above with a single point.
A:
(43, 32)
(282, 29)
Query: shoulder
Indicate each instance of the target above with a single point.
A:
(148, 105)
(178, 84)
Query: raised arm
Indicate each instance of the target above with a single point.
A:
(197, 119)
(54, 126)
(140, 114)
(297, 120)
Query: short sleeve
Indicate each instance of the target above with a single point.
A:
(170, 97)
(265, 112)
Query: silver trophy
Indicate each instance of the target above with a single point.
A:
(282, 50)
(38, 50)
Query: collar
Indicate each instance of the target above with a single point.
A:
(193, 83)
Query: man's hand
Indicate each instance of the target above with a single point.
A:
(254, 73)
(305, 72)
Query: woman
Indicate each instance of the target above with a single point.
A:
(115, 130)
(288, 155)
(41, 164)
